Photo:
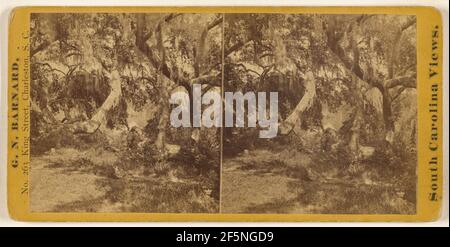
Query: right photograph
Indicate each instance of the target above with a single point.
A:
(346, 138)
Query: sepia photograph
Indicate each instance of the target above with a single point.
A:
(101, 137)
(346, 139)
(223, 113)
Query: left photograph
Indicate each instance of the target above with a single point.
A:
(101, 138)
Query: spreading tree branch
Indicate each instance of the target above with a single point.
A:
(405, 81)
(237, 46)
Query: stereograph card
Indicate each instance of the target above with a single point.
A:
(225, 114)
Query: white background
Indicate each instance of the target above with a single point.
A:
(6, 6)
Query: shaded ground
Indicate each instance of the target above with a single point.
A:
(264, 181)
(257, 181)
(69, 180)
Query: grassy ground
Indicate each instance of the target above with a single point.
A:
(290, 181)
(255, 181)
(70, 180)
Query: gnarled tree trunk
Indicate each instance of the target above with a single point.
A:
(387, 116)
(305, 103)
(112, 100)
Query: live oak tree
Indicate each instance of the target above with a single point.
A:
(377, 52)
(140, 57)
(100, 64)
(201, 60)
(327, 58)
